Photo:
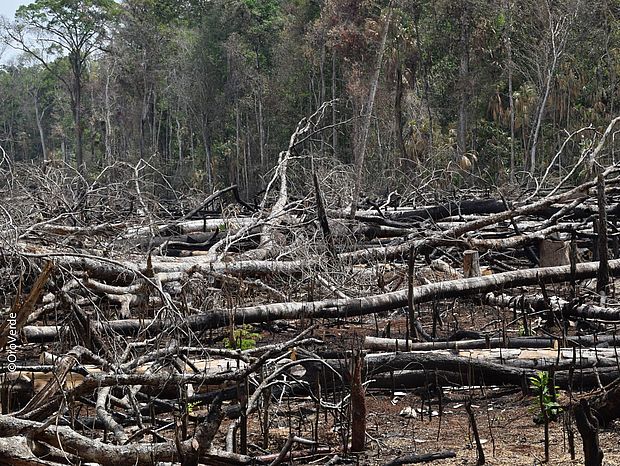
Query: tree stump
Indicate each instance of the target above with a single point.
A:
(554, 253)
(358, 405)
(471, 263)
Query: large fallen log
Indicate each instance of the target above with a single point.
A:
(545, 359)
(189, 226)
(566, 308)
(489, 361)
(486, 206)
(581, 379)
(518, 241)
(466, 207)
(422, 458)
(135, 454)
(473, 371)
(126, 272)
(416, 369)
(342, 308)
(395, 344)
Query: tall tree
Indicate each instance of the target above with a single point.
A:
(361, 142)
(40, 89)
(358, 32)
(146, 49)
(509, 71)
(70, 29)
(461, 132)
(549, 25)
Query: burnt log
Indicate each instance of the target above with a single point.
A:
(569, 309)
(384, 377)
(349, 307)
(449, 209)
(393, 344)
(422, 458)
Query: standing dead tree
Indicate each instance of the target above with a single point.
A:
(362, 134)
(554, 29)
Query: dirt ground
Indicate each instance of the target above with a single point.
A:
(505, 417)
(505, 424)
(506, 427)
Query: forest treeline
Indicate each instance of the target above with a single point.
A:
(209, 91)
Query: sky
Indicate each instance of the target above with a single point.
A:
(8, 7)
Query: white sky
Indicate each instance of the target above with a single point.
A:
(8, 7)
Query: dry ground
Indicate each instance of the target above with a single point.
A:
(504, 416)
(509, 435)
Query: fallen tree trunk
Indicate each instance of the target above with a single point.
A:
(350, 307)
(393, 344)
(472, 371)
(581, 380)
(489, 361)
(136, 454)
(454, 370)
(189, 226)
(518, 241)
(422, 458)
(101, 229)
(546, 359)
(467, 207)
(568, 309)
(165, 268)
(486, 206)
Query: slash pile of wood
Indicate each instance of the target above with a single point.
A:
(132, 331)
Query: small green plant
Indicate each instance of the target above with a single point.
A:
(242, 338)
(191, 406)
(547, 408)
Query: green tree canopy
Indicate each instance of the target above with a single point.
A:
(49, 30)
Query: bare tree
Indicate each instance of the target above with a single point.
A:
(510, 72)
(362, 136)
(551, 29)
(461, 132)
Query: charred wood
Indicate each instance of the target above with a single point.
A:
(342, 308)
(421, 458)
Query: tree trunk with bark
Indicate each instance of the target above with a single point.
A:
(366, 116)
(587, 425)
(461, 136)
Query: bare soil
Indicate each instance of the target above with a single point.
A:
(505, 417)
